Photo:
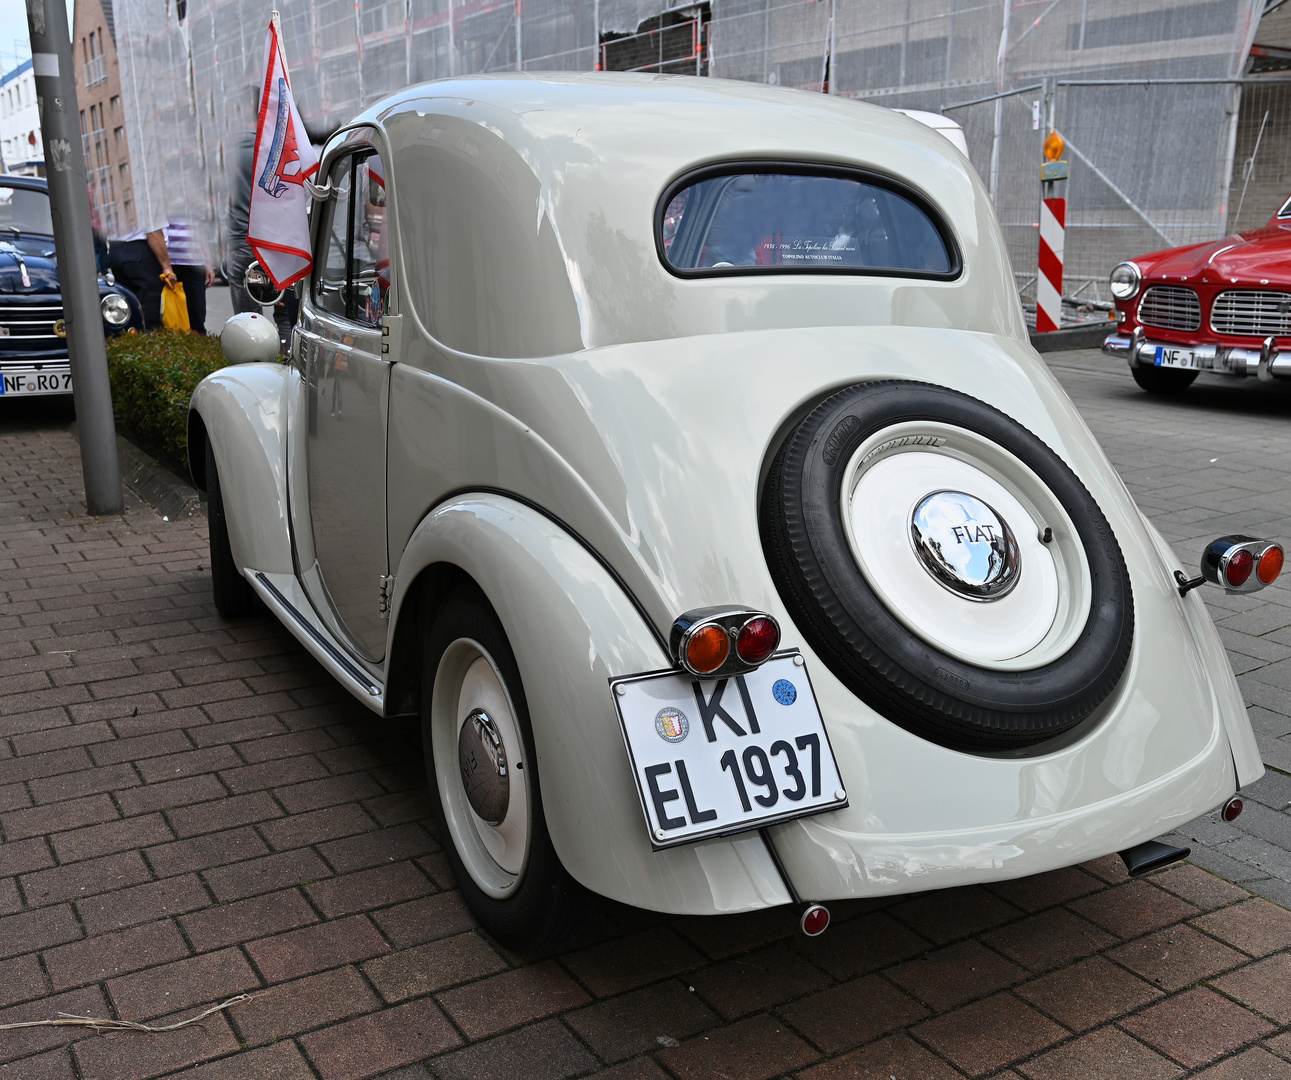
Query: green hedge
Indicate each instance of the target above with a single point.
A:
(153, 376)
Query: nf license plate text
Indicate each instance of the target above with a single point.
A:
(27, 382)
(722, 756)
(1176, 358)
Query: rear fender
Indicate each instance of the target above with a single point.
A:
(1228, 695)
(571, 626)
(242, 411)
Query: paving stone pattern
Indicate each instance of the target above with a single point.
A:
(190, 809)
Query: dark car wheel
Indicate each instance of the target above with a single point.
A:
(482, 771)
(234, 597)
(1157, 380)
(947, 566)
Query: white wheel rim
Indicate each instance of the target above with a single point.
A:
(1036, 622)
(494, 855)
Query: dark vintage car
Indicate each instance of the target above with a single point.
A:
(1222, 306)
(33, 336)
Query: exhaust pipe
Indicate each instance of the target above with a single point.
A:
(1152, 855)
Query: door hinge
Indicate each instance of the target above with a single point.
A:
(390, 337)
(386, 596)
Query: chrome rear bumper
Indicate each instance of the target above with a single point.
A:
(1267, 363)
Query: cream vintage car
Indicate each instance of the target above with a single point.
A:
(674, 449)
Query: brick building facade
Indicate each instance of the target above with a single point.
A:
(103, 119)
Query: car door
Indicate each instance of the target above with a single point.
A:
(346, 383)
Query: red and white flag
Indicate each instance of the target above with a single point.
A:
(278, 223)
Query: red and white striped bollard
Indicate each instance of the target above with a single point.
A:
(1048, 289)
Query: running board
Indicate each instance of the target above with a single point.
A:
(284, 596)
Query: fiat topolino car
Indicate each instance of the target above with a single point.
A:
(673, 448)
(1223, 306)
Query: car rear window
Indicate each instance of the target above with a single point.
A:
(778, 219)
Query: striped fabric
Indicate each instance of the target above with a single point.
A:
(184, 245)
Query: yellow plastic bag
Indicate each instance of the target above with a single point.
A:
(174, 306)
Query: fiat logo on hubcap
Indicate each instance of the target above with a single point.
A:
(965, 545)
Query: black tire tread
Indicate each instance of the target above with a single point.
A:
(234, 597)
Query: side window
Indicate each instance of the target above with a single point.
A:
(370, 273)
(353, 276)
(333, 252)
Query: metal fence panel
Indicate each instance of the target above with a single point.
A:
(1151, 160)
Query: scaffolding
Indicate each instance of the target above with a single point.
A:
(1151, 95)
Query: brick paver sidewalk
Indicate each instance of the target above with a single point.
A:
(191, 809)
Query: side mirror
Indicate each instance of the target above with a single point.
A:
(1238, 564)
(249, 339)
(259, 287)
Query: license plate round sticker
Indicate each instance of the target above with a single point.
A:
(719, 756)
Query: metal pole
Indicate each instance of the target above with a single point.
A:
(1226, 169)
(51, 63)
(1001, 62)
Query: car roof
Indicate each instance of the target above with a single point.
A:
(34, 183)
(587, 157)
(665, 111)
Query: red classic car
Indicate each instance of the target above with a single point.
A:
(1223, 306)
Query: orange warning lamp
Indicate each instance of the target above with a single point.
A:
(1053, 146)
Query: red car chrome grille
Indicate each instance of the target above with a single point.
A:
(1255, 312)
(1171, 307)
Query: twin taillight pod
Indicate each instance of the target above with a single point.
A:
(717, 642)
(1241, 563)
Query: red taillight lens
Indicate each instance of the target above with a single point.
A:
(1270, 565)
(708, 648)
(1239, 568)
(757, 640)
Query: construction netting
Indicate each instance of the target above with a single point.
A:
(1163, 136)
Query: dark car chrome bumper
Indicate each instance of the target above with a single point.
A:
(1266, 363)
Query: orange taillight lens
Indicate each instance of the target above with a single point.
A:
(1270, 565)
(708, 648)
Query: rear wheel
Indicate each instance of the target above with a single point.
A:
(481, 768)
(234, 597)
(1157, 380)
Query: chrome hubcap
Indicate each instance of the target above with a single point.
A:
(478, 754)
(965, 545)
(483, 760)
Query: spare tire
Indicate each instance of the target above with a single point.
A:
(947, 566)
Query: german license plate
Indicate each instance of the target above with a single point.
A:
(36, 382)
(726, 755)
(1175, 358)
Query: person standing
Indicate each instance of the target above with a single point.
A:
(240, 254)
(194, 272)
(139, 260)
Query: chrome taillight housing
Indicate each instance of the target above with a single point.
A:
(716, 642)
(1241, 564)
